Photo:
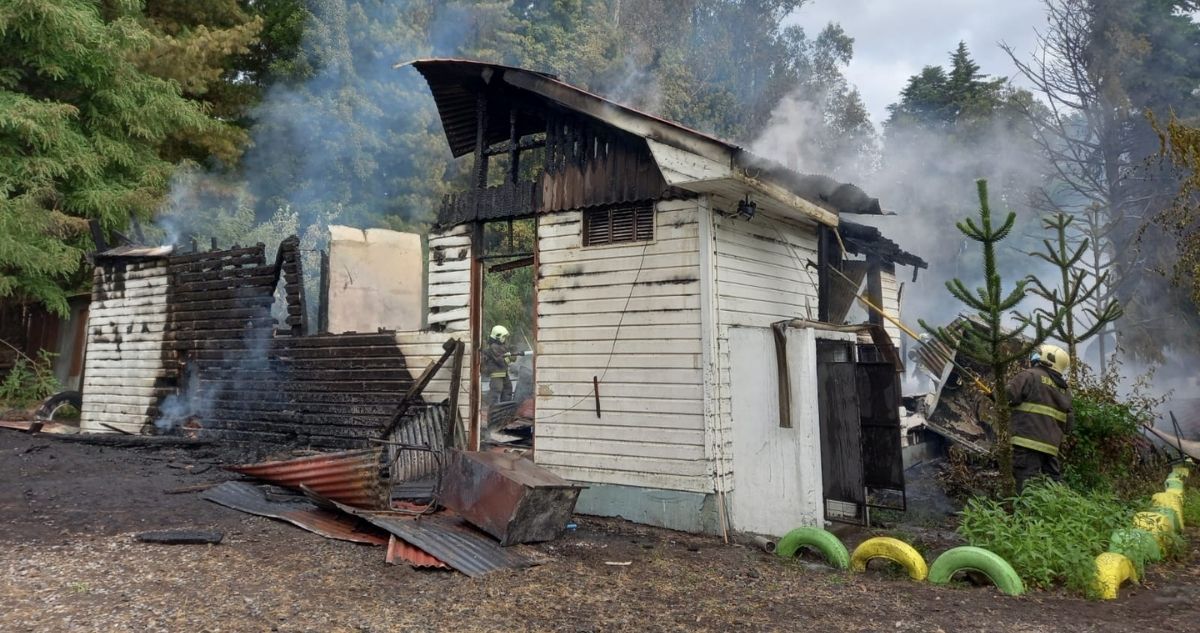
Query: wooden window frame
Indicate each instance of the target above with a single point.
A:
(637, 229)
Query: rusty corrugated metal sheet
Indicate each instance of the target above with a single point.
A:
(398, 550)
(424, 427)
(300, 512)
(351, 477)
(450, 539)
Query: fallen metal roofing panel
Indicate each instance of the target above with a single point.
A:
(351, 477)
(423, 427)
(450, 539)
(398, 550)
(300, 512)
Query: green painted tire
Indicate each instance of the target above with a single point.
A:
(1137, 545)
(825, 542)
(977, 559)
(1174, 484)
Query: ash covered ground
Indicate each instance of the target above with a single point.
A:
(70, 563)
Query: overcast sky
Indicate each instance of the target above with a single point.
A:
(894, 39)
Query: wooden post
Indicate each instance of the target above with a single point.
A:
(455, 384)
(323, 297)
(481, 159)
(514, 152)
(874, 288)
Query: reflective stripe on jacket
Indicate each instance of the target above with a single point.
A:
(1041, 405)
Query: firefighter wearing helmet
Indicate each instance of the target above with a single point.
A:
(494, 365)
(1041, 414)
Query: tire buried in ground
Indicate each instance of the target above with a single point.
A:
(891, 549)
(826, 543)
(977, 559)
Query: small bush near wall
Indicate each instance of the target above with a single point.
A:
(28, 382)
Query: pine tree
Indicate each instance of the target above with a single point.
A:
(80, 131)
(195, 45)
(983, 338)
(1075, 299)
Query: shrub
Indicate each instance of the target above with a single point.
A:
(1106, 450)
(1052, 534)
(29, 382)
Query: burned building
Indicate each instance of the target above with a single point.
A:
(186, 342)
(689, 357)
(691, 363)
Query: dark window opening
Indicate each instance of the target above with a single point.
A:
(618, 225)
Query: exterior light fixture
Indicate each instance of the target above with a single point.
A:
(747, 208)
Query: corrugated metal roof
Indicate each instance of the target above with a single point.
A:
(398, 550)
(450, 539)
(351, 477)
(300, 512)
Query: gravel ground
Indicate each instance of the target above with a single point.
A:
(70, 563)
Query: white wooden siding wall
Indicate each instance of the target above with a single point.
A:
(450, 279)
(891, 303)
(760, 278)
(125, 346)
(651, 429)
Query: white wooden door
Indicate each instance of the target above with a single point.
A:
(776, 470)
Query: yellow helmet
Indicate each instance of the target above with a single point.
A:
(1053, 357)
(500, 333)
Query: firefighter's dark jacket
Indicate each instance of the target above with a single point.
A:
(1041, 409)
(494, 360)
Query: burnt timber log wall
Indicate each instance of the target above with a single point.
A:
(190, 341)
(242, 379)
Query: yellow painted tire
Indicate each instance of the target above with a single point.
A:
(1181, 471)
(1112, 570)
(1154, 523)
(1171, 501)
(891, 549)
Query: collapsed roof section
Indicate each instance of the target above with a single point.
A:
(483, 105)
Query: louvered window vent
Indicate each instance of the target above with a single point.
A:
(617, 225)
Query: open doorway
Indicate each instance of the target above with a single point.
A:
(507, 335)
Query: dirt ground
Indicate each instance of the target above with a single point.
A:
(70, 563)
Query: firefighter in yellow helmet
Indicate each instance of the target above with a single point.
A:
(494, 364)
(1041, 414)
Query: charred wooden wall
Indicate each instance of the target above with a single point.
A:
(189, 343)
(590, 164)
(124, 368)
(243, 378)
(586, 164)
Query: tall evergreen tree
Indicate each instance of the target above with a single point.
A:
(983, 338)
(81, 127)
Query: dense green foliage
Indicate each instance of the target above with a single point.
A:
(1051, 535)
(81, 126)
